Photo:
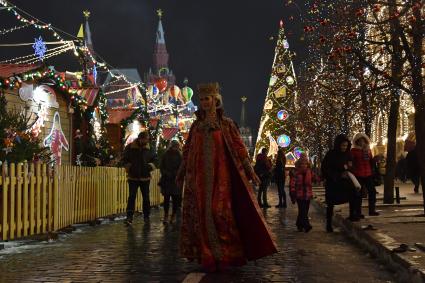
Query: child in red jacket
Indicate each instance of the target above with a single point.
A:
(301, 192)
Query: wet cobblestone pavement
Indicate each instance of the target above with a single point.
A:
(149, 253)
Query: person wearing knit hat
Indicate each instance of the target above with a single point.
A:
(222, 224)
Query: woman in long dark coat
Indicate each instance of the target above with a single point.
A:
(335, 164)
(170, 164)
(279, 176)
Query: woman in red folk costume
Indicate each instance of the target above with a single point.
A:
(222, 224)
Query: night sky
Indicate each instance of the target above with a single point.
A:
(221, 40)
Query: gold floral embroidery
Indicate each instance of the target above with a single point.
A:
(209, 182)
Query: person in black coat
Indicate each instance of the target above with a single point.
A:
(139, 161)
(263, 168)
(279, 176)
(170, 164)
(336, 162)
(413, 168)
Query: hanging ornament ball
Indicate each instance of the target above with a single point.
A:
(282, 115)
(187, 93)
(283, 141)
(181, 124)
(175, 91)
(273, 80)
(161, 84)
(298, 151)
(290, 80)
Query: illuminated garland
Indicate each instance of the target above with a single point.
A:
(39, 24)
(5, 31)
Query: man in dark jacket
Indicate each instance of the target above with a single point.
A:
(170, 164)
(413, 168)
(139, 161)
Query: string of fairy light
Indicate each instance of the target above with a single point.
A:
(334, 30)
(29, 20)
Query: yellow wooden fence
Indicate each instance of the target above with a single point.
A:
(35, 198)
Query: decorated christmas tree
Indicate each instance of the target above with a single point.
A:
(277, 126)
(17, 141)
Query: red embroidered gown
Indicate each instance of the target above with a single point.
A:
(222, 223)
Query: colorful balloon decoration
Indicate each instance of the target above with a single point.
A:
(161, 84)
(282, 115)
(175, 91)
(152, 91)
(181, 124)
(298, 151)
(166, 97)
(187, 93)
(283, 141)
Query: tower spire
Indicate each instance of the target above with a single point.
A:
(243, 112)
(84, 32)
(160, 56)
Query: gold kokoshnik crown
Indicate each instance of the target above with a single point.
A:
(208, 89)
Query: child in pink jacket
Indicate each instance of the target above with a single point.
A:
(301, 192)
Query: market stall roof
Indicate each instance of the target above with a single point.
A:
(117, 115)
(122, 92)
(169, 133)
(89, 94)
(8, 70)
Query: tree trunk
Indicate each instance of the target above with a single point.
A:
(396, 70)
(419, 95)
(391, 148)
(420, 142)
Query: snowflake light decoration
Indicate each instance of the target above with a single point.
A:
(39, 48)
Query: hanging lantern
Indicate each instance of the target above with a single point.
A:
(175, 91)
(161, 84)
(282, 115)
(187, 93)
(283, 141)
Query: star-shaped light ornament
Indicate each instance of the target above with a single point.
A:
(86, 14)
(40, 48)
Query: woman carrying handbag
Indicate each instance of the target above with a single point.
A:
(339, 188)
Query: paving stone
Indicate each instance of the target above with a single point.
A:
(148, 252)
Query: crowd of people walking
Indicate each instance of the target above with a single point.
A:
(222, 223)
